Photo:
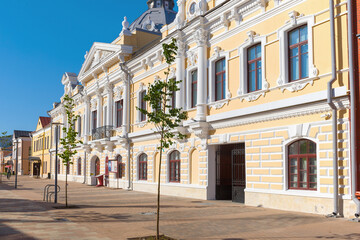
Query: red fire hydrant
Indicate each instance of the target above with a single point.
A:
(100, 179)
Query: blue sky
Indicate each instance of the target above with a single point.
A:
(42, 39)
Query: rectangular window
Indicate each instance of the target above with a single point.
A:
(220, 78)
(254, 68)
(119, 113)
(79, 126)
(142, 105)
(94, 120)
(194, 88)
(298, 54)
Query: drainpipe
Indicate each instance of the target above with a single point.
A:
(330, 96)
(124, 69)
(352, 116)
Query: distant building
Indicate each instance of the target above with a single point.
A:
(21, 142)
(40, 158)
(4, 153)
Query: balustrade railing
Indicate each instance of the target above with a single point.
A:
(102, 132)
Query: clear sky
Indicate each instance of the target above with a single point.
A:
(42, 39)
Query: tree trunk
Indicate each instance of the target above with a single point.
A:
(158, 197)
(66, 202)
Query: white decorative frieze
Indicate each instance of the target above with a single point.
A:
(297, 86)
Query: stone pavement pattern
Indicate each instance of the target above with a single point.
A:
(104, 213)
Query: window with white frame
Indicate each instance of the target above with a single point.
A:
(193, 79)
(254, 76)
(174, 166)
(218, 76)
(119, 107)
(142, 166)
(296, 52)
(142, 106)
(302, 165)
(252, 65)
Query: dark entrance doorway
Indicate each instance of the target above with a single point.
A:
(230, 172)
(36, 169)
(97, 166)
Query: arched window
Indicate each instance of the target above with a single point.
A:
(174, 167)
(143, 167)
(79, 166)
(120, 166)
(302, 165)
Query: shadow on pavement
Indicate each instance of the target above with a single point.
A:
(8, 233)
(351, 236)
(21, 205)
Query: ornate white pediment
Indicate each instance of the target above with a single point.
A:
(98, 53)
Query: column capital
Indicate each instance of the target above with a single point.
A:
(181, 48)
(201, 37)
(108, 88)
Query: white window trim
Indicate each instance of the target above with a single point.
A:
(243, 89)
(118, 96)
(217, 55)
(286, 166)
(188, 88)
(283, 80)
(170, 151)
(142, 88)
(104, 115)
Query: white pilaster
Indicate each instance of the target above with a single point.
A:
(180, 76)
(201, 37)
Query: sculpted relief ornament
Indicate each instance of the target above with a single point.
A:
(118, 91)
(93, 104)
(192, 58)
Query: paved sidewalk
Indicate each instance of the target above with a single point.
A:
(104, 213)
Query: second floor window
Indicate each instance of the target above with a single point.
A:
(298, 54)
(94, 120)
(254, 68)
(193, 88)
(220, 78)
(119, 113)
(79, 126)
(142, 105)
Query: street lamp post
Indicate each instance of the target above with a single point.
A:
(56, 159)
(16, 162)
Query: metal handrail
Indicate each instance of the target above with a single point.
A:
(102, 132)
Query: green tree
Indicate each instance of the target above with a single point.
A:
(163, 115)
(69, 140)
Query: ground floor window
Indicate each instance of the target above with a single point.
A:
(143, 167)
(302, 165)
(174, 160)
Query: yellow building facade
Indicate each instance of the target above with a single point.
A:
(40, 163)
(255, 75)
